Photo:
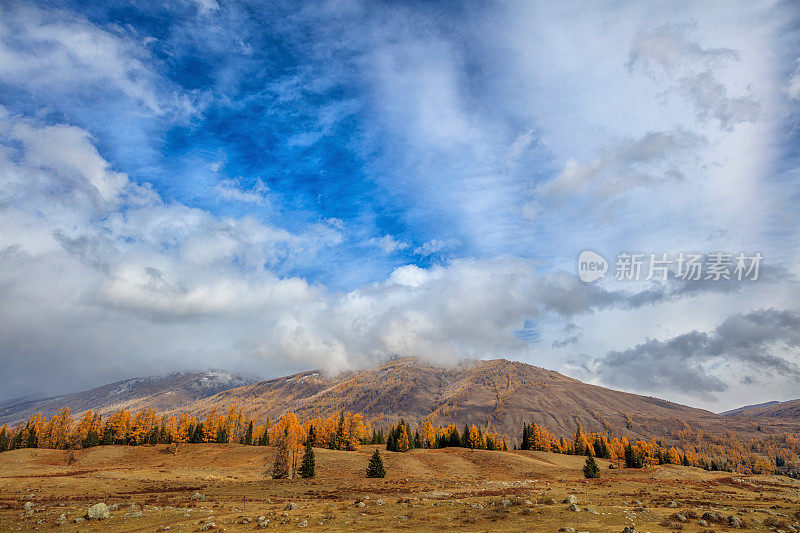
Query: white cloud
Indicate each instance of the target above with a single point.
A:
(389, 244)
(793, 86)
(230, 189)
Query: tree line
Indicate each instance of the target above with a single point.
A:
(777, 453)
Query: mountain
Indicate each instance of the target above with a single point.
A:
(746, 408)
(497, 393)
(789, 409)
(165, 393)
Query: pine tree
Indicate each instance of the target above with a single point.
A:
(280, 468)
(308, 464)
(590, 469)
(375, 467)
(247, 439)
(632, 459)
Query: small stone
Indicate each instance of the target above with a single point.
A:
(207, 526)
(197, 496)
(574, 508)
(135, 514)
(629, 529)
(505, 503)
(78, 520)
(378, 502)
(304, 523)
(702, 523)
(567, 529)
(28, 506)
(570, 499)
(263, 524)
(672, 505)
(290, 507)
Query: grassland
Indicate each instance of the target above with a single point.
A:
(152, 489)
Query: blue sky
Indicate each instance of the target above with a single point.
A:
(268, 188)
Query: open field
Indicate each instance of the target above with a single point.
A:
(150, 489)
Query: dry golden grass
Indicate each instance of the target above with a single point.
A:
(425, 490)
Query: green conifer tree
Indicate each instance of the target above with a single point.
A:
(307, 467)
(590, 469)
(375, 467)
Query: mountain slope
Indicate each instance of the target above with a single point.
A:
(496, 393)
(789, 409)
(164, 393)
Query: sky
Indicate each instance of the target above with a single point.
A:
(271, 187)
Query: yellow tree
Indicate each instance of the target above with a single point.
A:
(473, 440)
(428, 435)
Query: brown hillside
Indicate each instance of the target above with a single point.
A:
(497, 393)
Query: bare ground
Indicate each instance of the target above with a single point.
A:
(150, 489)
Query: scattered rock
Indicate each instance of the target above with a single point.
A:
(207, 526)
(734, 521)
(629, 529)
(505, 503)
(567, 529)
(290, 507)
(672, 505)
(98, 511)
(361, 504)
(476, 506)
(78, 520)
(28, 506)
(304, 523)
(197, 496)
(590, 510)
(574, 508)
(378, 502)
(263, 524)
(570, 499)
(702, 523)
(135, 514)
(637, 503)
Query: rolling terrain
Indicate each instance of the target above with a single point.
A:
(218, 487)
(789, 409)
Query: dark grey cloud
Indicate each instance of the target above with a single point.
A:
(681, 363)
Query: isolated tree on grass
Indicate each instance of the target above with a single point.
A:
(308, 464)
(590, 469)
(375, 467)
(280, 468)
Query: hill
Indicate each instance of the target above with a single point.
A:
(497, 393)
(164, 393)
(789, 409)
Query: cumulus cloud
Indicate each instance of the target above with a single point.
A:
(765, 341)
